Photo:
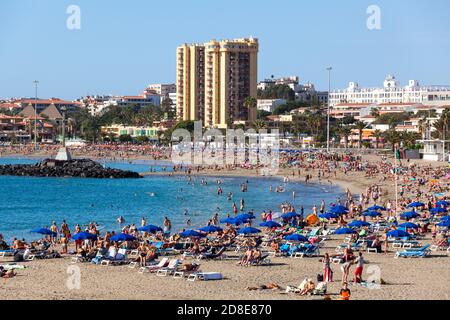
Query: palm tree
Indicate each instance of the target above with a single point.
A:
(392, 137)
(250, 103)
(360, 125)
(377, 134)
(375, 112)
(345, 132)
(259, 124)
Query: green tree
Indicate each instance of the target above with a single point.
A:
(360, 126)
(125, 138)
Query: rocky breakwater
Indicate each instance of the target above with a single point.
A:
(82, 168)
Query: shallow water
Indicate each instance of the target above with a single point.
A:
(30, 202)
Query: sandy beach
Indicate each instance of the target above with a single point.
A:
(423, 279)
(401, 278)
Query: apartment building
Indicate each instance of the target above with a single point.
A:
(392, 92)
(214, 79)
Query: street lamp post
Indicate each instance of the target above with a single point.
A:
(328, 109)
(35, 113)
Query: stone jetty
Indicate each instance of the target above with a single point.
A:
(82, 168)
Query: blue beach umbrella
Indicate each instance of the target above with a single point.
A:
(210, 229)
(249, 230)
(358, 224)
(416, 204)
(296, 237)
(339, 210)
(438, 210)
(150, 228)
(446, 218)
(122, 237)
(409, 225)
(397, 233)
(344, 231)
(44, 231)
(328, 215)
(270, 224)
(443, 203)
(445, 223)
(290, 215)
(409, 215)
(245, 216)
(372, 214)
(375, 208)
(84, 236)
(191, 233)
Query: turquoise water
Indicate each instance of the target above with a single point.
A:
(29, 202)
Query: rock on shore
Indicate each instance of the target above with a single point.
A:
(82, 168)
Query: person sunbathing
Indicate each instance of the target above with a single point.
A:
(6, 274)
(309, 288)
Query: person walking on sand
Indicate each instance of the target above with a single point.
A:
(359, 261)
(143, 222)
(327, 272)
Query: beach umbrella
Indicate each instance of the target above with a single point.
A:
(290, 215)
(122, 237)
(375, 208)
(443, 203)
(270, 224)
(409, 225)
(372, 214)
(344, 231)
(210, 229)
(416, 204)
(358, 224)
(231, 220)
(191, 233)
(44, 231)
(445, 223)
(245, 216)
(84, 236)
(438, 210)
(249, 230)
(397, 233)
(339, 210)
(150, 228)
(446, 218)
(409, 215)
(296, 237)
(328, 215)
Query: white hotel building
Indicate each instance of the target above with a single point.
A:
(392, 92)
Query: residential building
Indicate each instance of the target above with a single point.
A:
(269, 104)
(392, 92)
(214, 79)
(162, 89)
(118, 130)
(42, 104)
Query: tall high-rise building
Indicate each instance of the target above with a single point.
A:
(214, 79)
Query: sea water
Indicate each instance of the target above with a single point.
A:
(31, 202)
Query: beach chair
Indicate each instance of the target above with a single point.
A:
(212, 256)
(119, 258)
(6, 252)
(263, 260)
(297, 289)
(205, 276)
(321, 289)
(153, 268)
(170, 269)
(414, 253)
(133, 255)
(187, 273)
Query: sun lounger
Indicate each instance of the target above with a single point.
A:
(211, 256)
(263, 260)
(170, 269)
(186, 273)
(205, 276)
(153, 268)
(321, 289)
(415, 253)
(6, 252)
(119, 258)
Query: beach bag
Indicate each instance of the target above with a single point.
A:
(320, 278)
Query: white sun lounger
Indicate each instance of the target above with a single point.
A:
(205, 276)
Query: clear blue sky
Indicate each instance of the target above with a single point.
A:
(124, 45)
